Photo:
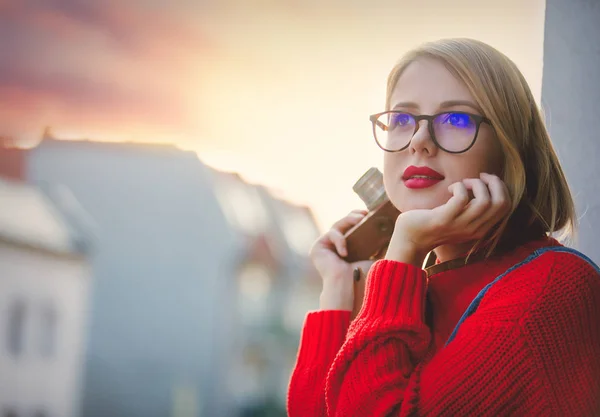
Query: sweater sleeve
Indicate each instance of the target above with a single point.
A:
(512, 357)
(322, 336)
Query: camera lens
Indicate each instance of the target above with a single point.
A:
(370, 189)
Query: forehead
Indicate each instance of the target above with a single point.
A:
(427, 83)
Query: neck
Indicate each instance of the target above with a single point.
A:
(511, 238)
(449, 252)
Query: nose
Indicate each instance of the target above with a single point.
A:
(421, 141)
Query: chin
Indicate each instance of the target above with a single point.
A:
(413, 201)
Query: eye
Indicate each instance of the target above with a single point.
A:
(400, 119)
(459, 120)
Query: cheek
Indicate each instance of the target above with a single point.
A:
(391, 175)
(487, 157)
(388, 166)
(401, 197)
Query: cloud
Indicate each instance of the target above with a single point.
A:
(113, 62)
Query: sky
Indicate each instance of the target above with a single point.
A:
(279, 91)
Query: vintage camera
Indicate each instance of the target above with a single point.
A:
(370, 238)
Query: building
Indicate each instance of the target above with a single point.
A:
(299, 284)
(276, 287)
(190, 273)
(159, 331)
(43, 301)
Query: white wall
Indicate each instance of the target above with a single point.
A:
(30, 382)
(571, 101)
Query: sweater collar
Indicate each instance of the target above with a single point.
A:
(515, 255)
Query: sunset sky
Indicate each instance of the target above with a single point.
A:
(279, 91)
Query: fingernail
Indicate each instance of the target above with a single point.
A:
(357, 273)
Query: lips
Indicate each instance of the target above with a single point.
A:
(421, 177)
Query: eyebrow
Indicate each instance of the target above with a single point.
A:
(443, 105)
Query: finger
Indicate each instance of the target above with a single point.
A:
(499, 193)
(364, 266)
(340, 242)
(456, 204)
(481, 202)
(499, 203)
(351, 220)
(334, 239)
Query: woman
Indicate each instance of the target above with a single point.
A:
(507, 322)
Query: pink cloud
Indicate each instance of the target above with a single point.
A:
(115, 63)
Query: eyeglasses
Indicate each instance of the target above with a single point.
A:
(453, 132)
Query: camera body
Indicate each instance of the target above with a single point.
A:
(368, 239)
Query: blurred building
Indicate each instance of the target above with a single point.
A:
(43, 302)
(299, 284)
(276, 287)
(193, 271)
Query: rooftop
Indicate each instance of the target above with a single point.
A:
(28, 217)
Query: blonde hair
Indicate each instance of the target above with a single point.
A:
(541, 199)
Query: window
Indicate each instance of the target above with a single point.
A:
(248, 375)
(16, 328)
(302, 297)
(185, 401)
(254, 286)
(242, 205)
(48, 333)
(299, 229)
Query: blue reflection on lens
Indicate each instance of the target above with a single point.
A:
(459, 120)
(400, 119)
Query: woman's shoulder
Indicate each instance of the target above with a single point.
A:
(572, 279)
(553, 279)
(555, 263)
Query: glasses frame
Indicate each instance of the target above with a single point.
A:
(430, 118)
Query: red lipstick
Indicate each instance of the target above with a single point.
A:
(421, 177)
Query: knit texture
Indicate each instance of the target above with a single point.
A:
(531, 348)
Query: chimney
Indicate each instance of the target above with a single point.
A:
(12, 160)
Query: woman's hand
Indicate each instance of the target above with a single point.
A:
(337, 275)
(458, 221)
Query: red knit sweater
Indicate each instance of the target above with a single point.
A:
(531, 348)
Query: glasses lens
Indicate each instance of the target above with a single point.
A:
(393, 131)
(455, 131)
